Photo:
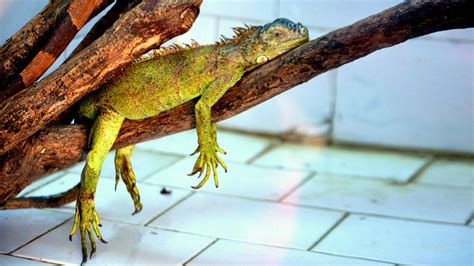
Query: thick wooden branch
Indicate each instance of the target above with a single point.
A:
(67, 22)
(149, 24)
(60, 146)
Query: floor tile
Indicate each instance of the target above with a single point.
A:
(401, 241)
(127, 245)
(449, 172)
(41, 182)
(144, 164)
(349, 161)
(249, 221)
(225, 252)
(422, 202)
(185, 143)
(241, 179)
(10, 260)
(118, 205)
(17, 227)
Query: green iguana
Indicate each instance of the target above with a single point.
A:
(160, 81)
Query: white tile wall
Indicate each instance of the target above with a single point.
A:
(332, 14)
(262, 10)
(416, 94)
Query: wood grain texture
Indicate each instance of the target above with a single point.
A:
(60, 146)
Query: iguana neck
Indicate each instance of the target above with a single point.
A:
(236, 54)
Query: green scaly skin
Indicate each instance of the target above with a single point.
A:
(161, 82)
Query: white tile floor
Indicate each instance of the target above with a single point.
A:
(292, 205)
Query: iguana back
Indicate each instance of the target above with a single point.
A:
(149, 87)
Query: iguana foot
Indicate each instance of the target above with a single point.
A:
(87, 219)
(123, 168)
(207, 160)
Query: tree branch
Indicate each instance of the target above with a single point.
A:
(67, 22)
(19, 49)
(60, 146)
(105, 22)
(146, 26)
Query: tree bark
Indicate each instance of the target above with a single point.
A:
(19, 49)
(61, 20)
(60, 146)
(120, 7)
(146, 26)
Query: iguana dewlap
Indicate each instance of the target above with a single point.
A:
(160, 81)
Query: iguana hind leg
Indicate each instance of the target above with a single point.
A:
(123, 168)
(103, 134)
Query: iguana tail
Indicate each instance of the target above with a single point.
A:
(51, 201)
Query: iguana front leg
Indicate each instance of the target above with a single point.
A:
(123, 168)
(206, 131)
(214, 137)
(103, 134)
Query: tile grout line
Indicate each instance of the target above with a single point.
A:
(373, 214)
(30, 259)
(200, 252)
(273, 246)
(40, 235)
(265, 150)
(279, 201)
(352, 257)
(329, 231)
(297, 186)
(169, 208)
(470, 219)
(420, 170)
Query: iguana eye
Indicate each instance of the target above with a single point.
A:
(276, 33)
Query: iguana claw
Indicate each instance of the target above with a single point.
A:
(207, 160)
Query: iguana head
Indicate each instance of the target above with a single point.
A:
(273, 39)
